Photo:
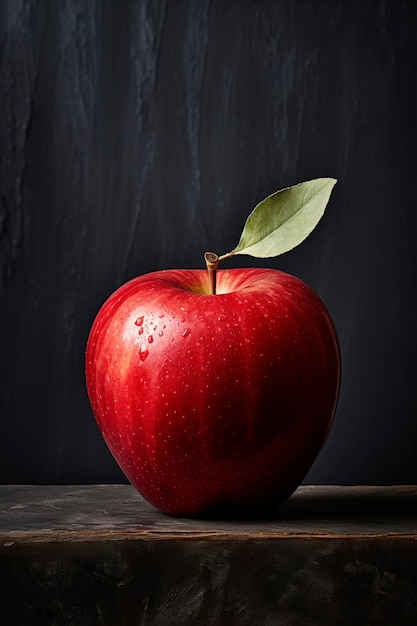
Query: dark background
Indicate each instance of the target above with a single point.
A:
(136, 135)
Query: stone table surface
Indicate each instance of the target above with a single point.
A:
(100, 554)
(38, 512)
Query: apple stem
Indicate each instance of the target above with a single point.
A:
(212, 263)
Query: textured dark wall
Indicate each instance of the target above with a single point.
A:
(135, 135)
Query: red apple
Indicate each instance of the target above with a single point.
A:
(214, 403)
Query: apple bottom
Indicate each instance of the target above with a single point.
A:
(249, 488)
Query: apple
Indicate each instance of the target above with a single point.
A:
(214, 390)
(214, 403)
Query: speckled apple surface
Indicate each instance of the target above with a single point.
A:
(214, 402)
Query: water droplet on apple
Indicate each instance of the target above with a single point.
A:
(150, 339)
(140, 331)
(161, 315)
(139, 321)
(143, 353)
(160, 333)
(221, 318)
(186, 332)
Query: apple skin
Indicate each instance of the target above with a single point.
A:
(214, 404)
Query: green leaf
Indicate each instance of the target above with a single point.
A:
(283, 220)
